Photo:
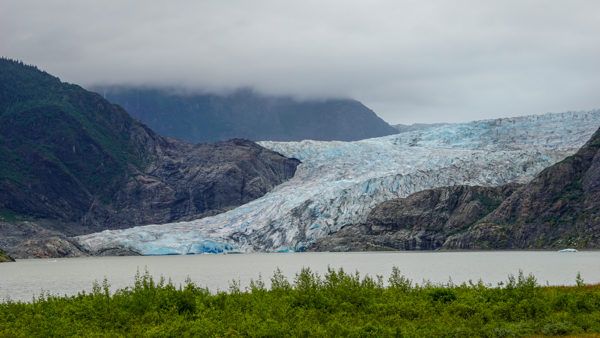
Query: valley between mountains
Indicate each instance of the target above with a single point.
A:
(339, 184)
(80, 176)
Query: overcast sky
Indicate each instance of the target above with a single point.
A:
(410, 61)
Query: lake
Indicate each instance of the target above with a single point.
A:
(25, 278)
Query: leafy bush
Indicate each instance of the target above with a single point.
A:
(335, 304)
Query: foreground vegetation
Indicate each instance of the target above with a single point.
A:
(337, 304)
(4, 257)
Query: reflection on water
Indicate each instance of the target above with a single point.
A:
(23, 279)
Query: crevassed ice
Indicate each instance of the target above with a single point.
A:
(339, 182)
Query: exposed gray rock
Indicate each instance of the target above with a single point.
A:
(26, 239)
(192, 181)
(559, 208)
(421, 221)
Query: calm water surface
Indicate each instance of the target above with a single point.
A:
(25, 278)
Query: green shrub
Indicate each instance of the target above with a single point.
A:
(335, 304)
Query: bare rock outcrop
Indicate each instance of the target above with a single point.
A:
(421, 221)
(559, 208)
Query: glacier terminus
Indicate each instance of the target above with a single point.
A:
(339, 182)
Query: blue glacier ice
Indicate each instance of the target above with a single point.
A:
(339, 182)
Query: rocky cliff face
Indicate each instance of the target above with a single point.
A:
(192, 181)
(37, 239)
(246, 114)
(73, 163)
(421, 221)
(559, 208)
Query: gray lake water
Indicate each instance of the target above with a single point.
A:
(26, 278)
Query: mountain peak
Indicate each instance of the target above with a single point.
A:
(245, 113)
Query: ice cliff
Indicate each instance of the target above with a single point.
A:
(339, 182)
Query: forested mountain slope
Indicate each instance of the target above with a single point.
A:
(246, 114)
(71, 157)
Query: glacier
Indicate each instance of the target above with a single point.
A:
(339, 182)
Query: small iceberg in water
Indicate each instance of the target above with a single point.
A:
(568, 250)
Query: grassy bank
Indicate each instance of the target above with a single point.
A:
(337, 304)
(4, 257)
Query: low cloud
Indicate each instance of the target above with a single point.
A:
(411, 61)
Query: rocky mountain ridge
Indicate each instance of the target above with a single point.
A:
(205, 117)
(73, 163)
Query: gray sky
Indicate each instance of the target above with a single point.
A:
(410, 61)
